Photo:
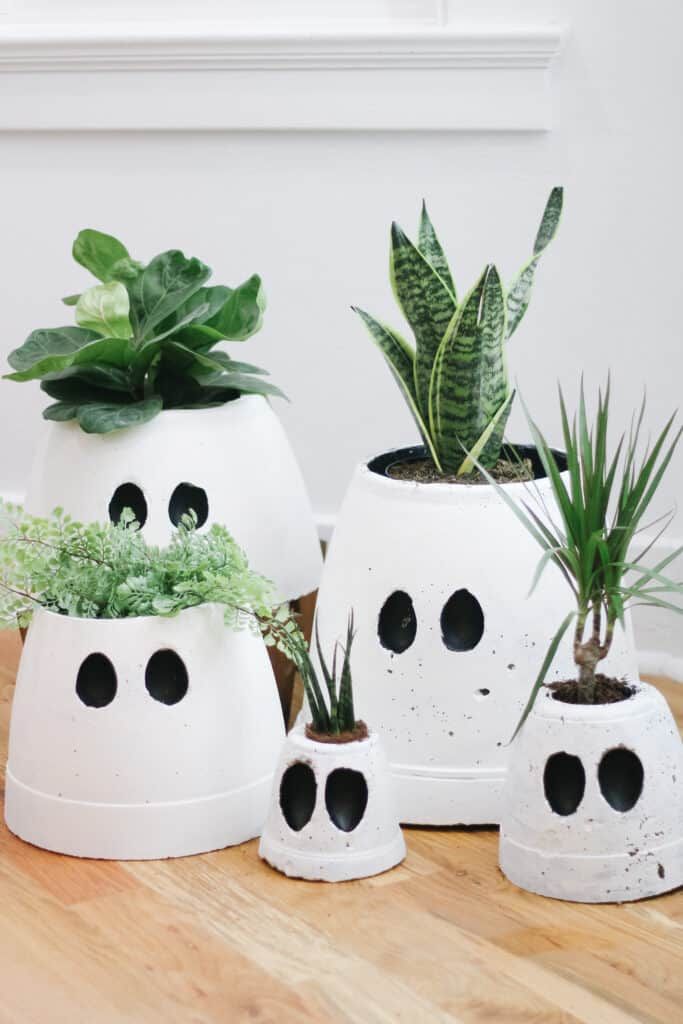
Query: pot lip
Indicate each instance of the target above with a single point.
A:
(437, 492)
(164, 415)
(545, 705)
(298, 739)
(48, 613)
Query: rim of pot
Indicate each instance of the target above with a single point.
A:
(373, 471)
(546, 706)
(179, 413)
(39, 608)
(298, 737)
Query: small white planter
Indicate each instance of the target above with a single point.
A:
(332, 811)
(232, 463)
(593, 801)
(138, 754)
(447, 641)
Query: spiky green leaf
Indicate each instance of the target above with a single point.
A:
(519, 293)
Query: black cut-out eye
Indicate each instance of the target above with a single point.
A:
(346, 797)
(166, 677)
(297, 795)
(462, 621)
(96, 681)
(621, 776)
(564, 782)
(397, 624)
(185, 497)
(128, 496)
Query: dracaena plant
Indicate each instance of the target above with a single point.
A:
(591, 531)
(334, 716)
(144, 340)
(455, 377)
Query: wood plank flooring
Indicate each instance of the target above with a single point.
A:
(222, 938)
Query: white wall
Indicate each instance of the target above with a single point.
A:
(311, 213)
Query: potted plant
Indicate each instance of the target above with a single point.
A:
(150, 413)
(332, 812)
(593, 801)
(145, 720)
(426, 555)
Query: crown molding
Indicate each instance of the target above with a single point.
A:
(184, 76)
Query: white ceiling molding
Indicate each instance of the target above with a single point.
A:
(182, 76)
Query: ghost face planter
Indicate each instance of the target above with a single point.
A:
(593, 802)
(447, 639)
(141, 738)
(332, 813)
(232, 464)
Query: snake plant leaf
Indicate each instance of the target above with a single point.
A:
(427, 305)
(491, 436)
(99, 253)
(520, 289)
(162, 287)
(103, 417)
(430, 247)
(104, 308)
(346, 715)
(469, 383)
(241, 315)
(401, 359)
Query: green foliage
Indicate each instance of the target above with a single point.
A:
(336, 714)
(106, 571)
(600, 510)
(455, 380)
(144, 341)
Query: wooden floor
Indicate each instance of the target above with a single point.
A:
(223, 938)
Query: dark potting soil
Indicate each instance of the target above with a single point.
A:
(607, 691)
(359, 733)
(424, 471)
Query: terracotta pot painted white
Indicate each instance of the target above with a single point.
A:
(232, 463)
(447, 640)
(138, 754)
(332, 811)
(593, 801)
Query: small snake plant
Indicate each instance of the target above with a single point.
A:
(339, 717)
(455, 379)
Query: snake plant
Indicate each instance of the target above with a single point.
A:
(455, 378)
(336, 715)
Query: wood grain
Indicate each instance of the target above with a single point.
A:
(222, 938)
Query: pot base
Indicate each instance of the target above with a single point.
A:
(594, 879)
(330, 867)
(136, 831)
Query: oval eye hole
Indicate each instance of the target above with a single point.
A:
(397, 624)
(166, 677)
(185, 497)
(96, 681)
(564, 782)
(297, 795)
(621, 775)
(346, 797)
(128, 496)
(462, 621)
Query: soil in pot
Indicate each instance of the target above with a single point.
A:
(518, 464)
(607, 691)
(360, 732)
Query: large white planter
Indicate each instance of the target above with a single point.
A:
(593, 801)
(441, 574)
(332, 812)
(121, 752)
(232, 463)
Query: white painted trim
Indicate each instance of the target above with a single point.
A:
(205, 76)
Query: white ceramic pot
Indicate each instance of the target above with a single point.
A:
(332, 811)
(593, 801)
(140, 738)
(447, 641)
(233, 464)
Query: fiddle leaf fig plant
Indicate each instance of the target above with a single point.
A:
(455, 377)
(145, 340)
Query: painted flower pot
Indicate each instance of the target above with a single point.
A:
(438, 577)
(232, 464)
(593, 801)
(141, 738)
(332, 811)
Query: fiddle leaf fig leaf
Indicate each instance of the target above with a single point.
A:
(241, 314)
(161, 288)
(105, 308)
(46, 344)
(98, 253)
(103, 417)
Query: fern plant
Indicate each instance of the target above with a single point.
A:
(455, 378)
(145, 340)
(600, 511)
(335, 716)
